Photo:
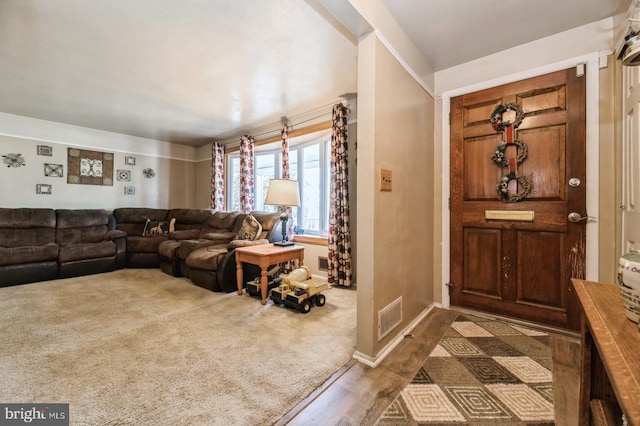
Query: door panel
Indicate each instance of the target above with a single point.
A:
(631, 162)
(546, 147)
(536, 285)
(482, 262)
(511, 267)
(482, 186)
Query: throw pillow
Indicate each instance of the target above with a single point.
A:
(250, 229)
(153, 228)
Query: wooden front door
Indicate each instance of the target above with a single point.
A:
(510, 256)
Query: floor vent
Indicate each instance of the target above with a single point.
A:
(389, 318)
(323, 263)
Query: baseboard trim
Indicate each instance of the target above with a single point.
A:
(321, 278)
(386, 350)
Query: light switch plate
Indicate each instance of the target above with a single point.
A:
(385, 180)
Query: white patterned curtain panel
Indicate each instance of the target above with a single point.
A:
(246, 174)
(284, 132)
(339, 272)
(217, 176)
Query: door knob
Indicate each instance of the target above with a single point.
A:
(575, 217)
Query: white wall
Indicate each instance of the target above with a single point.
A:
(174, 166)
(595, 37)
(395, 228)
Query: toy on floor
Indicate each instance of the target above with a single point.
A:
(253, 286)
(298, 290)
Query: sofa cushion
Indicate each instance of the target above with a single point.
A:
(20, 237)
(81, 218)
(27, 218)
(28, 254)
(250, 229)
(86, 251)
(207, 258)
(154, 228)
(185, 234)
(189, 246)
(221, 222)
(169, 248)
(132, 219)
(189, 218)
(144, 244)
(27, 227)
(268, 220)
(81, 226)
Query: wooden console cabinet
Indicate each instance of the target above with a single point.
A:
(610, 345)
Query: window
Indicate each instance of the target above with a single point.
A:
(309, 158)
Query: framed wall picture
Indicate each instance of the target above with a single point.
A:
(53, 170)
(90, 167)
(129, 190)
(123, 175)
(130, 161)
(43, 188)
(45, 150)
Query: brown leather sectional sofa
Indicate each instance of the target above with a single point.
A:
(43, 244)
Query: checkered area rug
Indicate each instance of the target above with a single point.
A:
(482, 372)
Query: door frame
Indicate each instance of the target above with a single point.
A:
(592, 66)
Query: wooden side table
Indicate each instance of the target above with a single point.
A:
(264, 256)
(610, 377)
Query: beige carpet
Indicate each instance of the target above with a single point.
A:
(141, 347)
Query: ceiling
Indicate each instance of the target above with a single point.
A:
(193, 71)
(452, 32)
(183, 71)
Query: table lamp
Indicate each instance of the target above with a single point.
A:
(284, 193)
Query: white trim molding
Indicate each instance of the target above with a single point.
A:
(387, 44)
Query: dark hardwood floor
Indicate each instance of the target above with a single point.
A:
(358, 394)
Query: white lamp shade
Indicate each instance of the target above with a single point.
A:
(282, 192)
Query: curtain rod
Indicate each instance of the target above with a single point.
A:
(298, 132)
(235, 138)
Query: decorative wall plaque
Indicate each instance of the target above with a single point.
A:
(129, 190)
(43, 188)
(130, 161)
(123, 175)
(14, 160)
(45, 150)
(53, 170)
(90, 167)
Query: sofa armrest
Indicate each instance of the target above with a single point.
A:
(226, 273)
(113, 234)
(185, 234)
(221, 237)
(246, 243)
(119, 238)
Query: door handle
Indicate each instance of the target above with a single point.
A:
(575, 217)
